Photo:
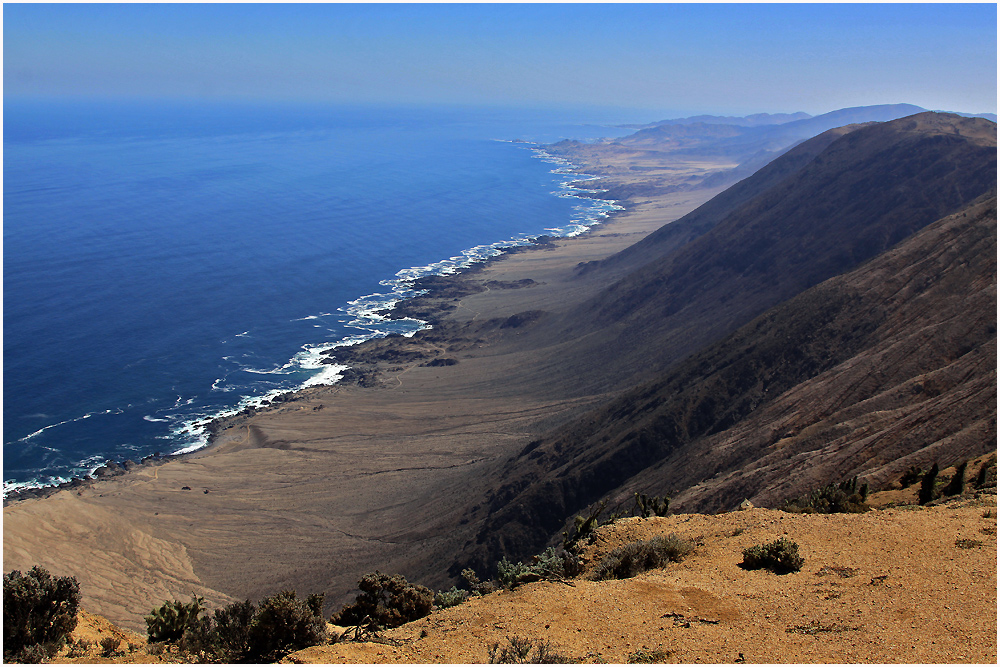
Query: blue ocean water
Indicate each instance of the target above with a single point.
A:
(167, 263)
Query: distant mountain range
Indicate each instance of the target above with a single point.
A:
(757, 119)
(833, 315)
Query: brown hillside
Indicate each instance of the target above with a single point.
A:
(864, 193)
(892, 364)
(898, 585)
(884, 587)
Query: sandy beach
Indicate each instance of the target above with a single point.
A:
(338, 481)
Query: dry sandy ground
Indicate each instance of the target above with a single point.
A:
(313, 494)
(884, 587)
(897, 585)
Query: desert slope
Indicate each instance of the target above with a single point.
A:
(884, 587)
(903, 584)
(890, 365)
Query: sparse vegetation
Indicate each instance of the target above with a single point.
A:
(781, 557)
(523, 651)
(552, 565)
(110, 646)
(648, 506)
(78, 649)
(911, 476)
(169, 621)
(957, 484)
(967, 544)
(637, 557)
(386, 601)
(513, 574)
(452, 598)
(583, 527)
(927, 491)
(284, 623)
(39, 610)
(987, 473)
(645, 656)
(239, 632)
(232, 630)
(475, 585)
(845, 497)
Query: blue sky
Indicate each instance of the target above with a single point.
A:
(713, 58)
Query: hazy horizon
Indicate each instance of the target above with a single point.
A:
(659, 59)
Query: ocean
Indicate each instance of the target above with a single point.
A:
(167, 263)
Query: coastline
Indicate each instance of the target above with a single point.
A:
(376, 314)
(377, 475)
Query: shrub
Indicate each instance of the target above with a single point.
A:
(637, 557)
(927, 492)
(845, 497)
(386, 601)
(551, 564)
(109, 647)
(169, 622)
(645, 656)
(651, 505)
(512, 574)
(985, 478)
(452, 598)
(556, 564)
(283, 623)
(78, 649)
(780, 556)
(33, 655)
(200, 639)
(911, 476)
(518, 651)
(584, 527)
(475, 585)
(232, 630)
(38, 610)
(957, 483)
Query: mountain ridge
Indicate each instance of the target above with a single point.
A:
(555, 484)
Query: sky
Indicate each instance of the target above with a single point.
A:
(686, 58)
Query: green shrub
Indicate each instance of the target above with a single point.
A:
(845, 497)
(632, 559)
(169, 622)
(452, 598)
(551, 564)
(512, 574)
(927, 491)
(780, 556)
(283, 623)
(555, 564)
(386, 601)
(39, 610)
(518, 651)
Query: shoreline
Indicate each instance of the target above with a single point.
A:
(378, 475)
(205, 429)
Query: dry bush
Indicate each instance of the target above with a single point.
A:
(637, 557)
